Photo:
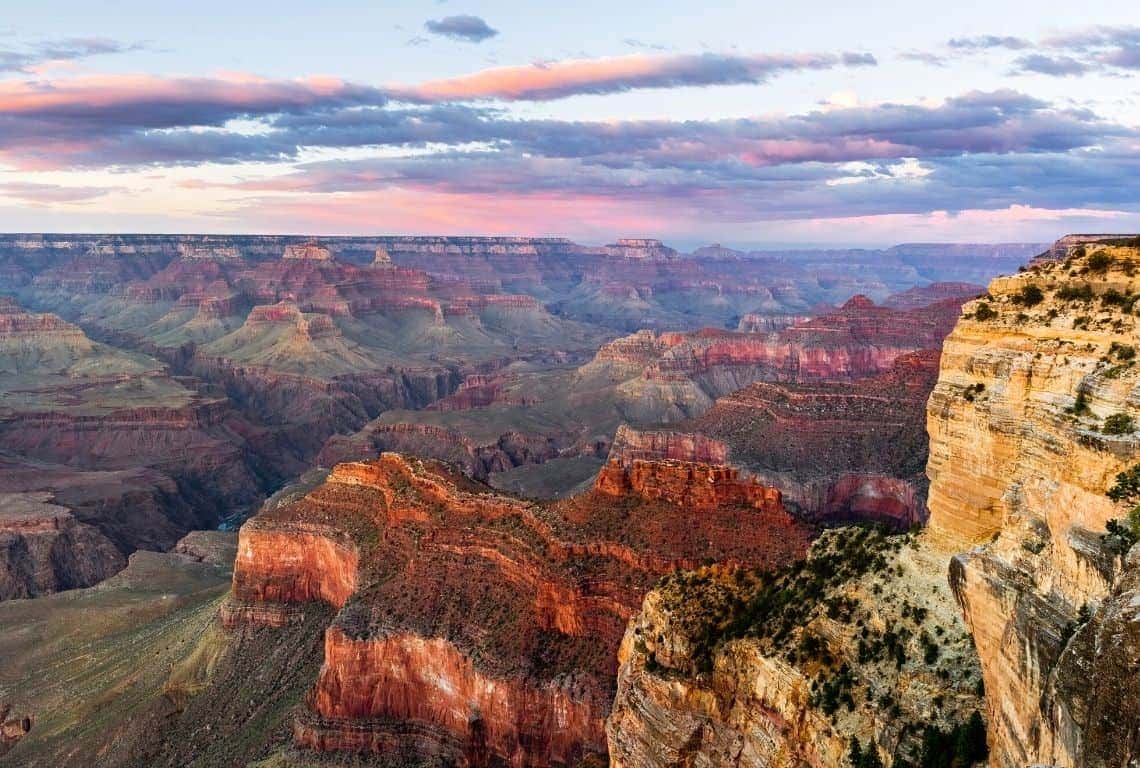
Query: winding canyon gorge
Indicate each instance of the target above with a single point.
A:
(507, 501)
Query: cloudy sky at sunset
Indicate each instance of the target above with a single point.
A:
(745, 123)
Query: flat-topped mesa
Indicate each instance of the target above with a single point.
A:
(758, 323)
(382, 258)
(684, 469)
(44, 548)
(1032, 419)
(1062, 246)
(925, 295)
(474, 626)
(209, 251)
(309, 325)
(638, 349)
(630, 445)
(309, 251)
(640, 248)
(281, 312)
(695, 485)
(16, 322)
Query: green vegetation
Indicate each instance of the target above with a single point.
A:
(1122, 351)
(1119, 424)
(984, 312)
(956, 747)
(1099, 262)
(1029, 295)
(1080, 406)
(973, 391)
(1083, 292)
(1122, 534)
(1113, 297)
(864, 758)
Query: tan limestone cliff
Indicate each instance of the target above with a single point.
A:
(1029, 424)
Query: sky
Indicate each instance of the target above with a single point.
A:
(747, 123)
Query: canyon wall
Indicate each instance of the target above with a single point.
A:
(1030, 423)
(667, 377)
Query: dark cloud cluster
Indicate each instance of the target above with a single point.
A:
(987, 149)
(469, 29)
(1072, 54)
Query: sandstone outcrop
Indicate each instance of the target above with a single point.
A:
(310, 251)
(1030, 421)
(475, 626)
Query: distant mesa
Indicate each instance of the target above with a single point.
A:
(208, 251)
(310, 251)
(640, 248)
(382, 258)
(1060, 249)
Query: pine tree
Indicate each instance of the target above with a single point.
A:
(856, 753)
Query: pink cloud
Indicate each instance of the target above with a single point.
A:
(559, 79)
(241, 92)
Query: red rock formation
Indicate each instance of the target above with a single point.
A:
(838, 450)
(858, 339)
(478, 627)
(310, 250)
(630, 445)
(696, 485)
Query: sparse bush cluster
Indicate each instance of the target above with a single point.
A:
(1030, 295)
(957, 746)
(1122, 351)
(984, 312)
(973, 391)
(1114, 298)
(1098, 262)
(1119, 424)
(780, 611)
(1083, 292)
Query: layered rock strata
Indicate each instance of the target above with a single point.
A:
(1030, 422)
(475, 626)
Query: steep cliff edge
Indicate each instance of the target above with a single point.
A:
(1030, 422)
(861, 643)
